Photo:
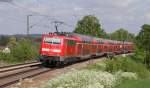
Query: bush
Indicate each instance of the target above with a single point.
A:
(134, 84)
(127, 65)
(8, 58)
(138, 55)
(21, 51)
(24, 50)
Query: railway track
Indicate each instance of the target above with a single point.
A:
(12, 74)
(18, 66)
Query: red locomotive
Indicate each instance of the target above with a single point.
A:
(63, 48)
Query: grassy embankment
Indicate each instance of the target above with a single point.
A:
(120, 72)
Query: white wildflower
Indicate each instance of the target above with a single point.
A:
(6, 50)
(83, 79)
(95, 85)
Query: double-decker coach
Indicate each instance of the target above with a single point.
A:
(63, 48)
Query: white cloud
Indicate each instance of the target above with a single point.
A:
(40, 9)
(6, 0)
(78, 8)
(111, 12)
(122, 3)
(147, 15)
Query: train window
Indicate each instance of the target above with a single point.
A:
(56, 41)
(48, 40)
(52, 40)
(71, 42)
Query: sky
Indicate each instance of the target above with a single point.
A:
(112, 14)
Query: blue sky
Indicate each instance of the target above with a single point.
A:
(113, 14)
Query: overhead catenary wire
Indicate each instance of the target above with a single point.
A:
(13, 18)
(50, 19)
(19, 6)
(28, 16)
(6, 1)
(45, 25)
(22, 7)
(37, 22)
(8, 16)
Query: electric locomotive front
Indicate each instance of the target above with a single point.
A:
(51, 49)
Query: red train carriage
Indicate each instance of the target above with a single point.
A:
(63, 48)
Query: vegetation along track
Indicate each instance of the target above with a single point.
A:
(12, 74)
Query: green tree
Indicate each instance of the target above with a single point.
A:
(143, 42)
(24, 50)
(104, 34)
(12, 42)
(89, 25)
(121, 35)
(4, 40)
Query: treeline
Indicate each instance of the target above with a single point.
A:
(4, 39)
(90, 25)
(143, 44)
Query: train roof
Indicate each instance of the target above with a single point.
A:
(85, 38)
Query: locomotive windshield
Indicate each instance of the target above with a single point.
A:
(52, 40)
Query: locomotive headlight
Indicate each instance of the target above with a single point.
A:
(56, 50)
(45, 49)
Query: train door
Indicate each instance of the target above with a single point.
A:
(79, 49)
(86, 50)
(70, 48)
(100, 50)
(83, 50)
(105, 48)
(94, 48)
(116, 48)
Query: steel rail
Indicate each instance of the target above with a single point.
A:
(13, 78)
(18, 66)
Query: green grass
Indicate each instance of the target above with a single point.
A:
(141, 83)
(125, 64)
(98, 66)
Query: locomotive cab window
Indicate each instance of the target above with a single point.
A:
(52, 40)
